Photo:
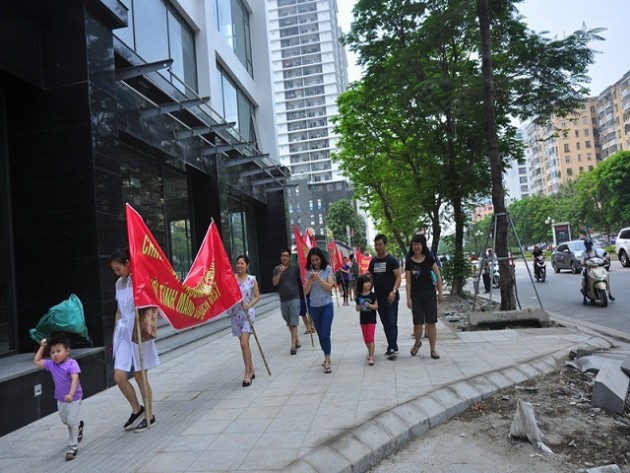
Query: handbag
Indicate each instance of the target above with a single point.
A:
(148, 317)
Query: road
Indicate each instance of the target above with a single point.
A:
(561, 293)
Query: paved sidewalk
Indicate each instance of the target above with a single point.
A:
(299, 419)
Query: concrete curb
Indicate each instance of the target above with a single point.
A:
(363, 446)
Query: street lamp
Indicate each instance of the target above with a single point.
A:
(551, 221)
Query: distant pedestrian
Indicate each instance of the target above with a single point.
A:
(487, 268)
(319, 283)
(345, 279)
(241, 327)
(386, 279)
(353, 275)
(68, 392)
(367, 305)
(286, 277)
(420, 266)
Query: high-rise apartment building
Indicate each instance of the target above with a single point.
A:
(613, 113)
(567, 147)
(562, 149)
(309, 71)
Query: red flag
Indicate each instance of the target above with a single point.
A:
(362, 261)
(336, 258)
(302, 250)
(209, 289)
(309, 239)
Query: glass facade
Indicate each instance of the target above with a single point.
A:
(233, 23)
(156, 32)
(6, 273)
(242, 228)
(160, 195)
(236, 107)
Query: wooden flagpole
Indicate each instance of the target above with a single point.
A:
(249, 321)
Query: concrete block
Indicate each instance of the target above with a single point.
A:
(611, 387)
(326, 459)
(603, 469)
(467, 391)
(625, 365)
(509, 317)
(358, 454)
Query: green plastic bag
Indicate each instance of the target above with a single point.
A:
(66, 316)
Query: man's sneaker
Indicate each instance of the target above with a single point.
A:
(391, 354)
(134, 419)
(142, 426)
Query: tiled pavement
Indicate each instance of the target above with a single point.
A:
(298, 419)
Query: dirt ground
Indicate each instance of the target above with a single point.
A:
(580, 435)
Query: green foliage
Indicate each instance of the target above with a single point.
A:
(413, 131)
(342, 214)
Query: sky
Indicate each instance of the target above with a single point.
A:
(560, 18)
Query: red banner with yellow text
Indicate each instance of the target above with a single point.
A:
(362, 261)
(209, 289)
(336, 258)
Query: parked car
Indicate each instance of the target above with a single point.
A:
(568, 255)
(622, 247)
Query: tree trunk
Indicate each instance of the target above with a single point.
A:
(508, 300)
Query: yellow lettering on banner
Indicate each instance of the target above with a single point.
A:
(185, 305)
(168, 295)
(200, 311)
(149, 250)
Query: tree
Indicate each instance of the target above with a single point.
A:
(342, 214)
(422, 70)
(604, 193)
(420, 73)
(536, 76)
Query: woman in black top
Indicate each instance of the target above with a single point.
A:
(421, 297)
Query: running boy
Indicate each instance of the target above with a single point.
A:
(68, 393)
(367, 306)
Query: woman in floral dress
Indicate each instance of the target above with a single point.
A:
(240, 324)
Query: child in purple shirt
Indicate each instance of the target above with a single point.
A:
(68, 393)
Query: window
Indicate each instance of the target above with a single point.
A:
(588, 144)
(586, 132)
(584, 119)
(579, 158)
(590, 168)
(233, 23)
(236, 107)
(589, 156)
(569, 172)
(566, 148)
(577, 145)
(157, 32)
(310, 205)
(581, 169)
(577, 133)
(567, 159)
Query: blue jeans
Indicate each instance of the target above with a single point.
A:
(322, 318)
(388, 313)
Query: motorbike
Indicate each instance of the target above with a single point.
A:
(596, 276)
(540, 268)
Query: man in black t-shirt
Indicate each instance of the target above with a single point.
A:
(386, 278)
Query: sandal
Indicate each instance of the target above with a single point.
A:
(327, 369)
(71, 454)
(370, 360)
(435, 355)
(80, 435)
(416, 346)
